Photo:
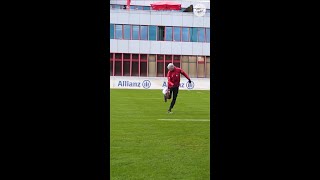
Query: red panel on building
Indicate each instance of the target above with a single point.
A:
(165, 5)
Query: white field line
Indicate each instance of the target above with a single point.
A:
(138, 98)
(183, 119)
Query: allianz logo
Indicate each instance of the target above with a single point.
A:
(145, 84)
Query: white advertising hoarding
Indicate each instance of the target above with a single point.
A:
(124, 82)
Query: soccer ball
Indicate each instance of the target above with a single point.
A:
(166, 92)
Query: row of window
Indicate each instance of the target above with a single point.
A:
(136, 7)
(151, 65)
(159, 33)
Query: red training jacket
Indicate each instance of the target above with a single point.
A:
(174, 77)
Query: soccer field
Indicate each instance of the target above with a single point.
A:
(147, 143)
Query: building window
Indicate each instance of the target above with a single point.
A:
(201, 35)
(143, 65)
(118, 31)
(160, 57)
(117, 6)
(160, 68)
(126, 64)
(139, 7)
(168, 33)
(176, 60)
(177, 33)
(118, 65)
(144, 32)
(153, 33)
(185, 64)
(192, 66)
(194, 34)
(160, 65)
(135, 32)
(111, 31)
(160, 33)
(135, 65)
(146, 7)
(201, 67)
(132, 7)
(168, 59)
(208, 11)
(111, 64)
(185, 34)
(208, 67)
(208, 35)
(127, 32)
(152, 72)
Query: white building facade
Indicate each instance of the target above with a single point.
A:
(144, 41)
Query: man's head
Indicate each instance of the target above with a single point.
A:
(170, 67)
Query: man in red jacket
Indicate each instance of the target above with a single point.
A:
(174, 83)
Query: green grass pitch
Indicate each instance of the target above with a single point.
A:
(145, 148)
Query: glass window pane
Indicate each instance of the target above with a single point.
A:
(160, 69)
(146, 7)
(118, 31)
(176, 58)
(208, 67)
(152, 65)
(143, 69)
(126, 56)
(201, 37)
(132, 7)
(135, 56)
(135, 32)
(160, 33)
(168, 57)
(168, 33)
(135, 68)
(207, 34)
(160, 57)
(118, 68)
(152, 33)
(118, 56)
(144, 33)
(111, 68)
(177, 33)
(117, 6)
(126, 29)
(111, 31)
(208, 11)
(143, 56)
(139, 7)
(194, 34)
(201, 64)
(126, 68)
(185, 34)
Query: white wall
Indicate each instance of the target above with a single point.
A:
(159, 47)
(159, 18)
(184, 3)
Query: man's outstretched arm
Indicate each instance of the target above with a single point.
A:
(185, 75)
